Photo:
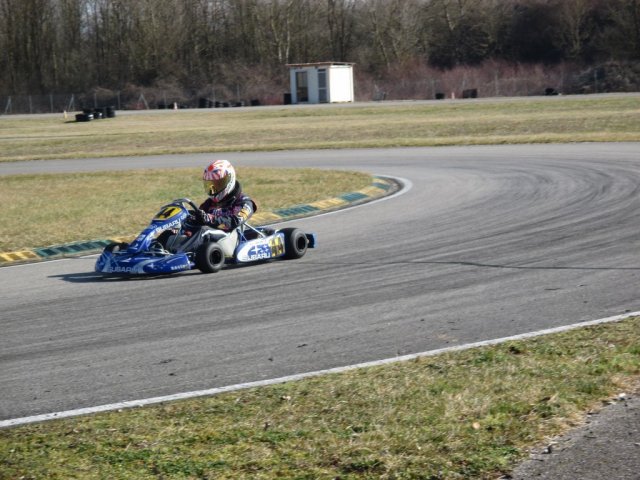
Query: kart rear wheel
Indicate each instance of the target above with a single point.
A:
(295, 243)
(209, 257)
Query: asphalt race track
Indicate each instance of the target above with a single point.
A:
(488, 242)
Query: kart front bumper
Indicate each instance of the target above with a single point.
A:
(125, 263)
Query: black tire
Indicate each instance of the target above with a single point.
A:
(116, 247)
(209, 257)
(295, 243)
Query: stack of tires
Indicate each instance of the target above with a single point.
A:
(89, 114)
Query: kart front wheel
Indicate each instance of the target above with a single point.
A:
(209, 257)
(295, 243)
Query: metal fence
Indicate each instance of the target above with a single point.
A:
(52, 103)
(143, 99)
(56, 103)
(458, 83)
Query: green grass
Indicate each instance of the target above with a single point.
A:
(536, 120)
(465, 415)
(87, 206)
(462, 415)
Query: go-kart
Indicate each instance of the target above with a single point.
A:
(174, 242)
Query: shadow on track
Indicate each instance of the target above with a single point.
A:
(94, 277)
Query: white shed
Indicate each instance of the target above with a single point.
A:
(323, 82)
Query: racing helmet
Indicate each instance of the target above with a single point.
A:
(219, 180)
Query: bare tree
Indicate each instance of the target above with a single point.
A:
(30, 38)
(395, 27)
(64, 45)
(576, 25)
(623, 35)
(457, 32)
(341, 23)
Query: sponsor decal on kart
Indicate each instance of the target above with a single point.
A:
(261, 249)
(166, 226)
(180, 267)
(259, 252)
(150, 233)
(168, 212)
(253, 250)
(277, 246)
(140, 264)
(118, 269)
(126, 266)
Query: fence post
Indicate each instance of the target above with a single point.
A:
(51, 101)
(143, 100)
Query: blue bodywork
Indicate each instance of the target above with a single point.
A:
(145, 256)
(139, 258)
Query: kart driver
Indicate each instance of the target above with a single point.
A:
(227, 206)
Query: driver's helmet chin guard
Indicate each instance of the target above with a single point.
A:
(219, 179)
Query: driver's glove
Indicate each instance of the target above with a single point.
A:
(202, 217)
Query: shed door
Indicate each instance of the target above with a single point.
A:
(322, 85)
(302, 86)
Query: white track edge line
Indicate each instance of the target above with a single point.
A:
(290, 378)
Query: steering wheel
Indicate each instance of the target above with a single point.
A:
(185, 202)
(191, 207)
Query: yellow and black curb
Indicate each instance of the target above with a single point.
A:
(380, 187)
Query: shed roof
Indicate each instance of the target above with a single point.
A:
(318, 64)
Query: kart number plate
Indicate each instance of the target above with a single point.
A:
(167, 212)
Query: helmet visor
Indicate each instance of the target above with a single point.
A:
(213, 187)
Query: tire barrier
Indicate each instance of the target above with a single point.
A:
(99, 113)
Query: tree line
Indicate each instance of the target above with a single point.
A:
(78, 45)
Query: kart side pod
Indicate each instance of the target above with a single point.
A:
(288, 243)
